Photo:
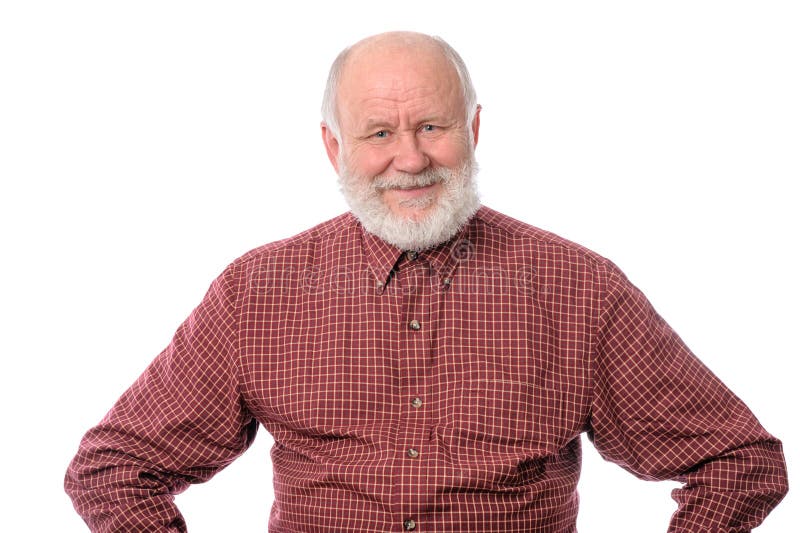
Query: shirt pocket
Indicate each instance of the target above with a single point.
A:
(497, 420)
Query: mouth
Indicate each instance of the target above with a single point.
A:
(405, 185)
(413, 187)
(412, 190)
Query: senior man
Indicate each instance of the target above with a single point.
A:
(423, 362)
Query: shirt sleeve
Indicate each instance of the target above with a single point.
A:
(179, 423)
(661, 414)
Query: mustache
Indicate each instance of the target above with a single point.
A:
(403, 180)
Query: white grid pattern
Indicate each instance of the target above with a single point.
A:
(525, 341)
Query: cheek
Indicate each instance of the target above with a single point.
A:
(449, 151)
(369, 161)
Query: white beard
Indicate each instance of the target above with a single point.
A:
(457, 202)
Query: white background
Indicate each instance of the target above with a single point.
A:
(144, 145)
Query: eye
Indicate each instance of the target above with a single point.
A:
(381, 134)
(428, 128)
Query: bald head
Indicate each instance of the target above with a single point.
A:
(390, 50)
(395, 40)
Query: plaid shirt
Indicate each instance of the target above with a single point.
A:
(444, 390)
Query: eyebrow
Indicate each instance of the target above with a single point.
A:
(372, 124)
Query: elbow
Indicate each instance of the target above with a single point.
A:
(769, 475)
(782, 475)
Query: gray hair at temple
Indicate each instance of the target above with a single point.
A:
(329, 111)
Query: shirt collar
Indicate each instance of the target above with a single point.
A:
(382, 257)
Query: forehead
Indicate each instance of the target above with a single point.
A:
(394, 81)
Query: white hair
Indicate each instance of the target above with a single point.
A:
(329, 109)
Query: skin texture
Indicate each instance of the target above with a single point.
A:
(401, 110)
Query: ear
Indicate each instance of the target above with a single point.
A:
(331, 145)
(476, 126)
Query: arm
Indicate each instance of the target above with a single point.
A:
(658, 412)
(179, 423)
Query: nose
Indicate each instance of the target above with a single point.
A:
(409, 157)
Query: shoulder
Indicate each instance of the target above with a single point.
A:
(297, 254)
(562, 270)
(341, 228)
(544, 244)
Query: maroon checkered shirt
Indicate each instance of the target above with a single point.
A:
(441, 391)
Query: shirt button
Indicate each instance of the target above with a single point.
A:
(416, 402)
(411, 255)
(415, 325)
(412, 453)
(409, 525)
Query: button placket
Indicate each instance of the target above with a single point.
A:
(419, 304)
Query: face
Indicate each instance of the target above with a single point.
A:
(405, 152)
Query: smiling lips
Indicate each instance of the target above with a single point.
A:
(413, 191)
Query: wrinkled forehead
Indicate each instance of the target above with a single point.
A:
(398, 71)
